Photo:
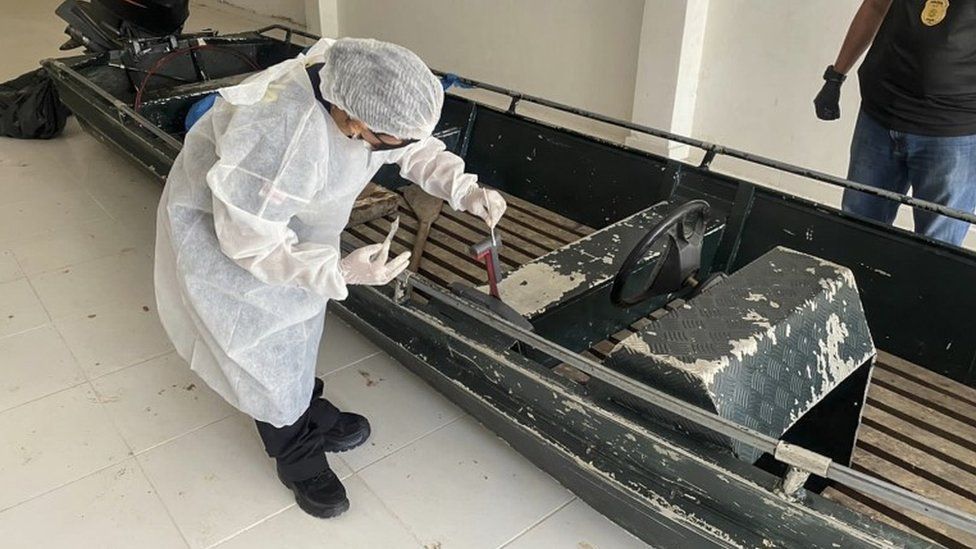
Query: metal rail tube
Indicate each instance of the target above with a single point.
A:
(901, 497)
(712, 149)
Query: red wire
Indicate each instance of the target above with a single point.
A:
(164, 60)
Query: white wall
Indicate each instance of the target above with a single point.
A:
(761, 68)
(580, 52)
(292, 10)
(666, 84)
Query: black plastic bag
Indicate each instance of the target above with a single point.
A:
(30, 107)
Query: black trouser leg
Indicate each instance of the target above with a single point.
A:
(298, 447)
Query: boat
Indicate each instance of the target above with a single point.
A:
(705, 360)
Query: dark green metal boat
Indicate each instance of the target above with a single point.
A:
(732, 404)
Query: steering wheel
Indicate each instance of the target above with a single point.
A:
(684, 228)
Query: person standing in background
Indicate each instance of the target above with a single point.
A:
(916, 128)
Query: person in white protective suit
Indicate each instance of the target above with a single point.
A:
(247, 248)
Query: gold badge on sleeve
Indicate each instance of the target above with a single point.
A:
(934, 12)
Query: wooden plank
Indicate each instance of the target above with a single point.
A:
(547, 215)
(621, 335)
(952, 479)
(917, 414)
(640, 324)
(374, 202)
(927, 377)
(444, 257)
(431, 270)
(836, 495)
(877, 466)
(447, 255)
(528, 248)
(902, 519)
(507, 226)
(438, 238)
(460, 246)
(474, 230)
(572, 373)
(519, 237)
(429, 267)
(515, 254)
(603, 348)
(590, 356)
(920, 438)
(949, 405)
(868, 462)
(530, 222)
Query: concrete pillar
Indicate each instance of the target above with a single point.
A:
(668, 65)
(322, 17)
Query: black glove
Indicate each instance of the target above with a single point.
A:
(827, 101)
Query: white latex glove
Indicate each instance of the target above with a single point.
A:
(487, 204)
(368, 265)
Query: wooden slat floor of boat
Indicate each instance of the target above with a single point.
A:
(919, 432)
(527, 232)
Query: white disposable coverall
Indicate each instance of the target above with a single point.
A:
(247, 246)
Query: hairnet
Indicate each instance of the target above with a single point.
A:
(384, 85)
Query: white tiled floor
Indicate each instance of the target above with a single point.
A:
(108, 440)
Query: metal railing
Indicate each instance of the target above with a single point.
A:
(712, 150)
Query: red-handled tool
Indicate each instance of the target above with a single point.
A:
(487, 251)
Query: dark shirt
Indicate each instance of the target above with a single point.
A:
(919, 76)
(313, 75)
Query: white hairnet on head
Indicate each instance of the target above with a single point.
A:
(384, 85)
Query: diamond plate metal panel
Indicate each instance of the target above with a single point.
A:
(762, 347)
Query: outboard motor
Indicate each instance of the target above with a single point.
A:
(103, 25)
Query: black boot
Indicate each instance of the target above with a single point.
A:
(349, 431)
(321, 496)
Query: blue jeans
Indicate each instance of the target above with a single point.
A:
(937, 169)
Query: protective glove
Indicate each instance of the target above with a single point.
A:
(827, 102)
(368, 265)
(487, 204)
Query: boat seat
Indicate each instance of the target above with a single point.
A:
(762, 348)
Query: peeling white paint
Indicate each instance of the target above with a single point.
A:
(701, 369)
(535, 286)
(757, 319)
(570, 405)
(836, 367)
